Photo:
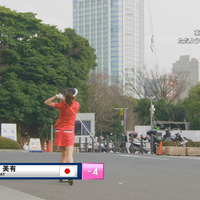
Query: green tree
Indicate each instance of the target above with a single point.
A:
(142, 108)
(164, 110)
(81, 59)
(192, 107)
(36, 62)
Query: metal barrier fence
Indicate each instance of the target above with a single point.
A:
(135, 145)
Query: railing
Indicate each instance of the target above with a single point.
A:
(135, 145)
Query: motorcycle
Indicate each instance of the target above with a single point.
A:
(154, 137)
(103, 145)
(177, 137)
(137, 145)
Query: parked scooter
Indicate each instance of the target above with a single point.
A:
(157, 138)
(154, 137)
(136, 144)
(109, 144)
(178, 137)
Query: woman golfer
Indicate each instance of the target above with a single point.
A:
(65, 125)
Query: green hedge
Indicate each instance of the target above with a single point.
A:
(172, 143)
(193, 144)
(6, 143)
(178, 144)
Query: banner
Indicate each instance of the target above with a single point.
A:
(9, 131)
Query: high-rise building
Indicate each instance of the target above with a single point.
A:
(188, 65)
(115, 28)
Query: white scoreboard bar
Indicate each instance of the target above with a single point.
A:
(32, 170)
(52, 171)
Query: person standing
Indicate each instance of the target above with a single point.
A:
(65, 126)
(167, 133)
(124, 141)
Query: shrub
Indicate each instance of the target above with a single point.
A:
(178, 143)
(172, 143)
(193, 144)
(6, 143)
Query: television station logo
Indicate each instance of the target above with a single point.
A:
(195, 39)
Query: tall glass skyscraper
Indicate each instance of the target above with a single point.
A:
(115, 28)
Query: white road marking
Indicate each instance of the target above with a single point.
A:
(145, 157)
(162, 158)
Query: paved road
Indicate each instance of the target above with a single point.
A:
(138, 177)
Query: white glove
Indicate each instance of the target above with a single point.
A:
(59, 96)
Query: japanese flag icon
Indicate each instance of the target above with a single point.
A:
(68, 171)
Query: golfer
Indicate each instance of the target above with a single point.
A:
(65, 125)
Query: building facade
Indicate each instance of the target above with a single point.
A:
(115, 28)
(191, 67)
(88, 119)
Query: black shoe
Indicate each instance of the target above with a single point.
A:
(70, 182)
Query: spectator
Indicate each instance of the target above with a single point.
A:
(167, 133)
(123, 144)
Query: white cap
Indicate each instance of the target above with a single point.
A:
(76, 92)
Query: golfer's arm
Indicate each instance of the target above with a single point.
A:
(49, 102)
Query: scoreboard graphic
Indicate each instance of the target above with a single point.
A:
(84, 171)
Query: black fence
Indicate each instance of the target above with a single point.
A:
(112, 145)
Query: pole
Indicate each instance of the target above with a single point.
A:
(152, 143)
(51, 137)
(151, 114)
(107, 147)
(124, 117)
(125, 120)
(141, 145)
(152, 111)
(115, 143)
(80, 144)
(86, 144)
(93, 150)
(100, 144)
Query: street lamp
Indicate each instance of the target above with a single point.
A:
(124, 116)
(152, 109)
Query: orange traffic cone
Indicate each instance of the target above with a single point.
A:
(49, 146)
(45, 146)
(160, 149)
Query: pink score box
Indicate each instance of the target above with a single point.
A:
(94, 171)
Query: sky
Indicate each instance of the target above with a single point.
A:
(168, 21)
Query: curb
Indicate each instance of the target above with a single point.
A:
(8, 193)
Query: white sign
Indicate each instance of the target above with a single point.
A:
(38, 171)
(142, 130)
(9, 131)
(34, 144)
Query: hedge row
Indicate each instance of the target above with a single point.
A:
(6, 143)
(178, 143)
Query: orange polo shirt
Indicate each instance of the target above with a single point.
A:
(66, 117)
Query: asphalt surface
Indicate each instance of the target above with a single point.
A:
(127, 176)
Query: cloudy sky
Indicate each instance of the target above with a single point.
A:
(168, 21)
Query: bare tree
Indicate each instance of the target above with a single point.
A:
(167, 86)
(105, 97)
